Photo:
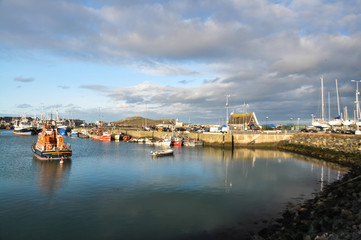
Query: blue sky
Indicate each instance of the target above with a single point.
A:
(177, 59)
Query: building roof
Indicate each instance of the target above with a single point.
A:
(244, 118)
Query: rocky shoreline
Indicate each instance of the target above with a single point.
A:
(333, 214)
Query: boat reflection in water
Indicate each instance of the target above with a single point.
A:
(51, 174)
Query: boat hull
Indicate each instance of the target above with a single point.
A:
(51, 154)
(177, 143)
(102, 138)
(62, 131)
(24, 132)
(161, 153)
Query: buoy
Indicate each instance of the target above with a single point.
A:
(61, 161)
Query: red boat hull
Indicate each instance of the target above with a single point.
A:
(177, 143)
(103, 138)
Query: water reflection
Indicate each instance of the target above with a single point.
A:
(114, 188)
(248, 159)
(51, 174)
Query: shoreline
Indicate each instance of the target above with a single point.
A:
(334, 213)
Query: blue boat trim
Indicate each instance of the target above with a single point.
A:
(51, 155)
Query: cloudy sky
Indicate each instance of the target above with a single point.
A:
(178, 59)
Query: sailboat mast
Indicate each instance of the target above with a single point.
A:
(322, 101)
(357, 103)
(338, 100)
(329, 107)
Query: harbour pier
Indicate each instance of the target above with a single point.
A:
(215, 139)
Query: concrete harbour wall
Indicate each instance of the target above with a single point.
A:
(226, 140)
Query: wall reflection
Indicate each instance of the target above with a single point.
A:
(238, 163)
(51, 174)
(246, 154)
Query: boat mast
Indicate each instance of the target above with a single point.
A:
(345, 114)
(322, 102)
(329, 107)
(357, 101)
(338, 100)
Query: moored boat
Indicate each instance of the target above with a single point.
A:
(50, 145)
(84, 133)
(62, 129)
(74, 133)
(164, 152)
(126, 138)
(101, 136)
(23, 127)
(104, 137)
(176, 141)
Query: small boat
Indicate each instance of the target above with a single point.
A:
(166, 141)
(164, 152)
(74, 133)
(83, 133)
(126, 138)
(104, 137)
(176, 141)
(101, 136)
(189, 143)
(50, 145)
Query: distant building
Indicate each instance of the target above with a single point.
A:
(178, 123)
(243, 121)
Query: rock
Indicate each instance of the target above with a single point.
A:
(302, 209)
(308, 237)
(346, 213)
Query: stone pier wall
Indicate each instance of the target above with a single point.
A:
(227, 140)
(335, 142)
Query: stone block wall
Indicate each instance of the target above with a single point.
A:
(336, 142)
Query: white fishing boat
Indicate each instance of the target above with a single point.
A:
(23, 127)
(164, 152)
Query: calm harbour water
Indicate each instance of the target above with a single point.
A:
(116, 190)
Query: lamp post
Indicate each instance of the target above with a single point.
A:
(227, 96)
(266, 122)
(291, 123)
(298, 123)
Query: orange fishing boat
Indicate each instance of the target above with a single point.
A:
(50, 145)
(101, 136)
